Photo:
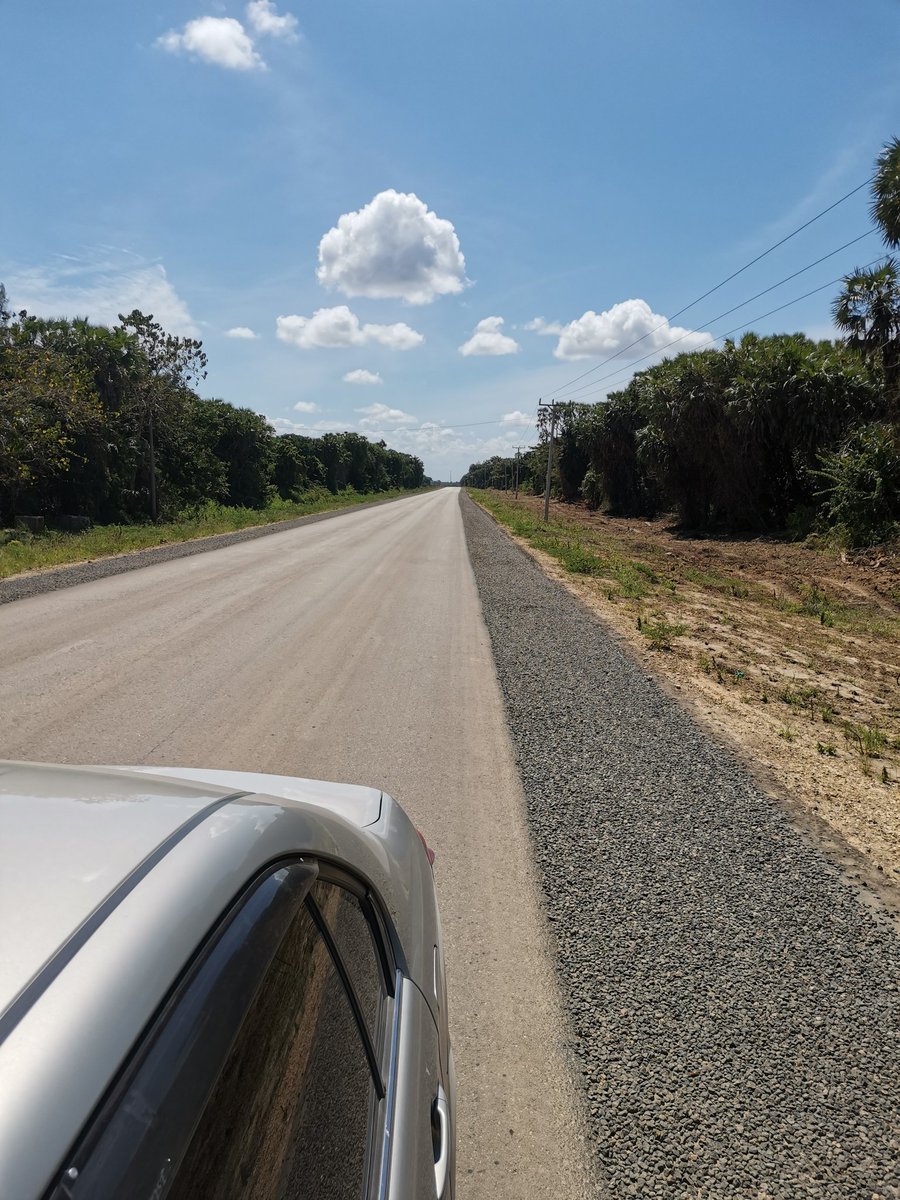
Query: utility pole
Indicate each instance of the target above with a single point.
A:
(551, 409)
(518, 448)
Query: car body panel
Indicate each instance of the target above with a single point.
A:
(85, 830)
(67, 1048)
(418, 1056)
(360, 805)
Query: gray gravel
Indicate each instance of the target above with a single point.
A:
(734, 1007)
(33, 584)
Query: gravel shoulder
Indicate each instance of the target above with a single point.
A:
(733, 1003)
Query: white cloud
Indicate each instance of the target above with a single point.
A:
(99, 287)
(362, 376)
(393, 248)
(266, 21)
(283, 425)
(519, 418)
(545, 328)
(333, 327)
(241, 332)
(306, 406)
(220, 40)
(609, 332)
(374, 416)
(487, 339)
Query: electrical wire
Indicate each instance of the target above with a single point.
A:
(737, 328)
(728, 279)
(728, 311)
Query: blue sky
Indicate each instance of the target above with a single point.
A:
(479, 200)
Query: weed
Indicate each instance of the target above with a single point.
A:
(633, 584)
(644, 569)
(660, 633)
(787, 734)
(705, 664)
(869, 740)
(800, 697)
(828, 714)
(827, 748)
(580, 561)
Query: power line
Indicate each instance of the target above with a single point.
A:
(719, 336)
(728, 279)
(729, 311)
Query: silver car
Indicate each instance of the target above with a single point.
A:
(218, 985)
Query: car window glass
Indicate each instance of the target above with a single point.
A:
(255, 1087)
(289, 1115)
(353, 937)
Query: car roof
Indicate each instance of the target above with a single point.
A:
(71, 836)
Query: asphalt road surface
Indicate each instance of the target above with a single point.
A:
(352, 650)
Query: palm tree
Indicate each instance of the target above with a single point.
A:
(868, 310)
(886, 192)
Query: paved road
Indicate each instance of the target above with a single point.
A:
(353, 650)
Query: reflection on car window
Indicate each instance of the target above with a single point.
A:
(255, 1086)
(289, 1115)
(354, 940)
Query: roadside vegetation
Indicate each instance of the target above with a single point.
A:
(106, 446)
(734, 514)
(777, 434)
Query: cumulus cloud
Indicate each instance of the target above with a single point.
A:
(283, 425)
(241, 332)
(266, 21)
(363, 377)
(376, 416)
(546, 328)
(306, 406)
(393, 248)
(334, 327)
(220, 40)
(610, 332)
(99, 286)
(519, 418)
(487, 339)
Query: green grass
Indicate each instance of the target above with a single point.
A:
(660, 633)
(22, 551)
(570, 543)
(869, 740)
(587, 551)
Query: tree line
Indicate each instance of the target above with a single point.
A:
(106, 424)
(766, 433)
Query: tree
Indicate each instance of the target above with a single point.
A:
(45, 401)
(868, 310)
(171, 365)
(886, 193)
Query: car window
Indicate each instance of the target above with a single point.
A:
(289, 1115)
(257, 1085)
(354, 939)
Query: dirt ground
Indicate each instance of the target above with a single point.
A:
(788, 652)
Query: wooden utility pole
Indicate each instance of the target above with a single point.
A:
(518, 448)
(153, 505)
(551, 409)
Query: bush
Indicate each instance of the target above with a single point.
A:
(592, 488)
(862, 499)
